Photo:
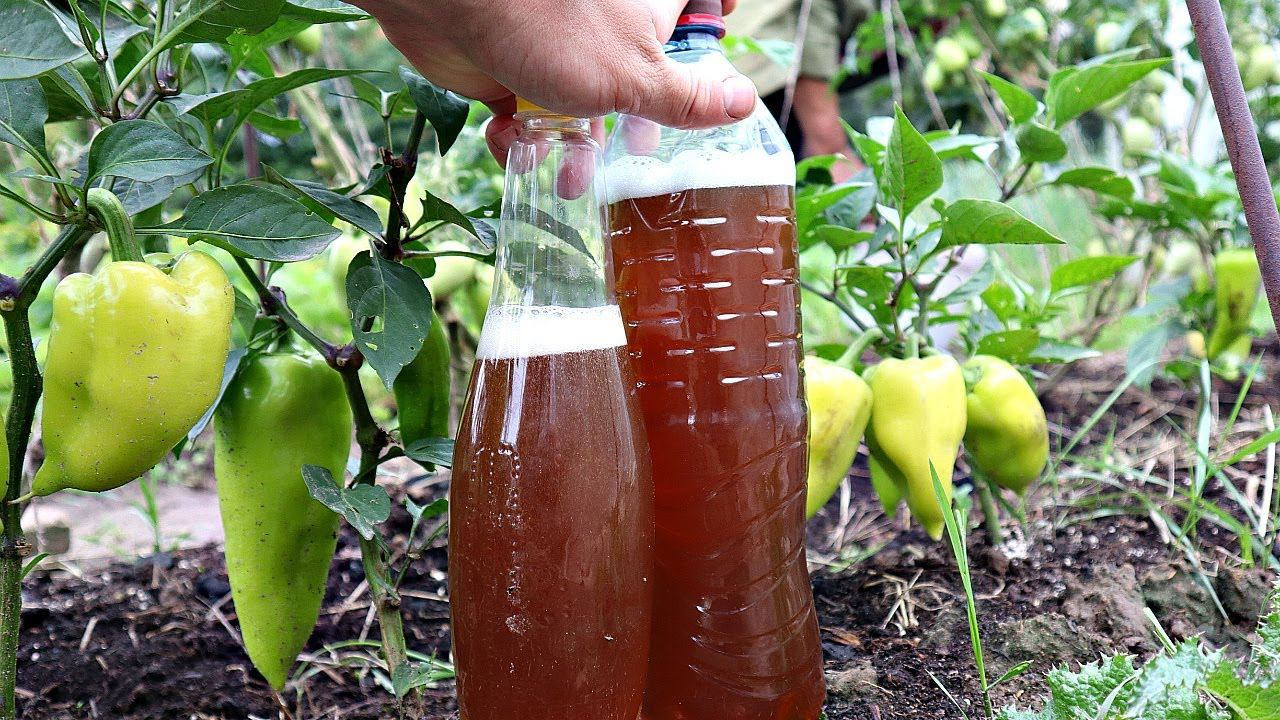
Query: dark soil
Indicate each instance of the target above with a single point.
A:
(156, 640)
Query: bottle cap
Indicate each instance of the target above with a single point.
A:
(703, 14)
(524, 106)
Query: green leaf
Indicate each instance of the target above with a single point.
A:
(446, 111)
(1145, 352)
(1040, 144)
(32, 40)
(839, 237)
(1101, 180)
(351, 211)
(142, 150)
(1052, 351)
(322, 11)
(137, 196)
(390, 313)
(436, 508)
(432, 451)
(1012, 345)
(255, 221)
(1001, 300)
(242, 102)
(68, 94)
(282, 128)
(988, 222)
(23, 112)
(411, 675)
(1020, 104)
(911, 171)
(363, 506)
(214, 21)
(1247, 700)
(1088, 270)
(435, 209)
(1074, 92)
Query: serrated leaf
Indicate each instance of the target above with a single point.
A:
(142, 150)
(445, 110)
(23, 112)
(390, 313)
(911, 171)
(214, 21)
(1088, 270)
(432, 451)
(32, 40)
(988, 222)
(254, 221)
(1074, 92)
(362, 506)
(1247, 700)
(1018, 103)
(1098, 179)
(1040, 144)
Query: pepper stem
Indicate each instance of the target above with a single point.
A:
(990, 513)
(859, 346)
(115, 221)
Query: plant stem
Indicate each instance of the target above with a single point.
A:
(990, 513)
(400, 171)
(1241, 137)
(15, 302)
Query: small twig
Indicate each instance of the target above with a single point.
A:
(891, 50)
(913, 54)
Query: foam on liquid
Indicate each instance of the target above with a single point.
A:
(643, 176)
(512, 331)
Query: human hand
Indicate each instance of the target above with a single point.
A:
(581, 57)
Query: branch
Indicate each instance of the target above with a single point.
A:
(1242, 141)
(400, 171)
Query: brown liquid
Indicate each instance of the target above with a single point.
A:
(707, 283)
(550, 552)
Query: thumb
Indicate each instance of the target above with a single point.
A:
(706, 94)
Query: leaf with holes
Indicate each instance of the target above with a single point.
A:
(390, 313)
(363, 506)
(256, 221)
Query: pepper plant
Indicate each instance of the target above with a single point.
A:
(886, 256)
(170, 95)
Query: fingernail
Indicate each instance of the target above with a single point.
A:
(739, 97)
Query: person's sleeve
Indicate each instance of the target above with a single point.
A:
(823, 41)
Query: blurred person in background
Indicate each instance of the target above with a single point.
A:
(809, 110)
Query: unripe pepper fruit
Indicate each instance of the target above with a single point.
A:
(839, 408)
(1237, 280)
(281, 411)
(423, 389)
(1007, 437)
(917, 418)
(135, 358)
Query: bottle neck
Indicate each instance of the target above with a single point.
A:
(554, 126)
(693, 40)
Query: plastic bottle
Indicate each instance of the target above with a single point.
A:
(704, 247)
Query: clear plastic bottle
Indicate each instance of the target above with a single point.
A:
(704, 248)
(551, 520)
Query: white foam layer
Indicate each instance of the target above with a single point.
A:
(641, 176)
(520, 332)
